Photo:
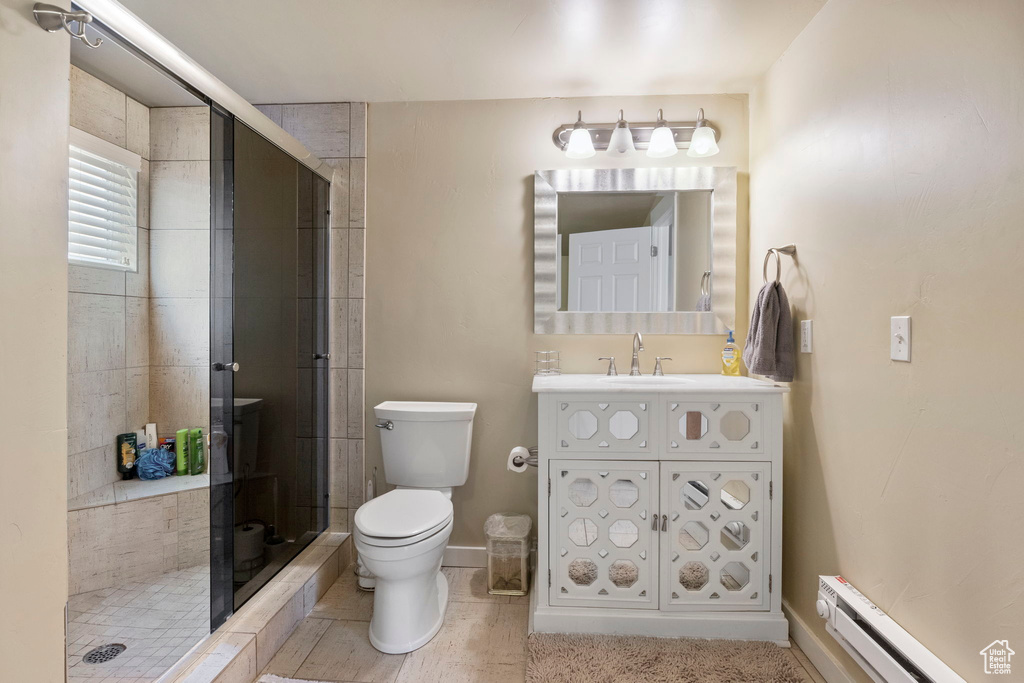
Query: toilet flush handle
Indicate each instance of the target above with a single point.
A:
(386, 424)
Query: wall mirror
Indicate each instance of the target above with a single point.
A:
(621, 250)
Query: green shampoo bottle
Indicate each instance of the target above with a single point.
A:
(196, 451)
(181, 451)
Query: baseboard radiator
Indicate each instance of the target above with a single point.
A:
(881, 646)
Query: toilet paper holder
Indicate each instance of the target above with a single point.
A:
(530, 460)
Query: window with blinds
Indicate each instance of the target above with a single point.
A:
(103, 203)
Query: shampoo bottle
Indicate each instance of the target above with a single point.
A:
(126, 452)
(181, 451)
(731, 357)
(196, 451)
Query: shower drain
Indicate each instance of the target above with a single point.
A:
(103, 653)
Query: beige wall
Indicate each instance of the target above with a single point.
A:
(449, 307)
(886, 143)
(33, 345)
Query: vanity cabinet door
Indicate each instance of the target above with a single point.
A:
(715, 549)
(604, 550)
(714, 428)
(612, 426)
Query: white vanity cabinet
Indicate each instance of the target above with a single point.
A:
(660, 506)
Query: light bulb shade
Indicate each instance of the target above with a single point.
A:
(703, 144)
(621, 142)
(662, 143)
(580, 146)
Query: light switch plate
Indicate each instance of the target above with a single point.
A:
(806, 342)
(899, 338)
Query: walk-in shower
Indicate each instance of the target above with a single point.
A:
(198, 285)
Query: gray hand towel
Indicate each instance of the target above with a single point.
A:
(769, 347)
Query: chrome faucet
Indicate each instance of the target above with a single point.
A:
(638, 346)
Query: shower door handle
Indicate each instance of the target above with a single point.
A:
(233, 367)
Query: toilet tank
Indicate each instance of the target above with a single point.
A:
(427, 444)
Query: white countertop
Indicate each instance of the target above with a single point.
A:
(648, 384)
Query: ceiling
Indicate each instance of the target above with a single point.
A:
(587, 211)
(114, 65)
(409, 50)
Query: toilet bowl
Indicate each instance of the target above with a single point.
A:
(401, 537)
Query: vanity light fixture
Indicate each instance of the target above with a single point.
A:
(663, 142)
(659, 138)
(620, 143)
(580, 146)
(702, 144)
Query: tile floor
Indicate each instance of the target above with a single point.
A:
(483, 639)
(159, 619)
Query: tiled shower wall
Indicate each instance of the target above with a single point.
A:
(179, 312)
(108, 310)
(117, 342)
(138, 343)
(336, 132)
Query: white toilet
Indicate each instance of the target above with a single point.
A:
(401, 535)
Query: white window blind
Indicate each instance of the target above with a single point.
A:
(103, 201)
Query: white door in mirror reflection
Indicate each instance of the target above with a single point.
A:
(616, 270)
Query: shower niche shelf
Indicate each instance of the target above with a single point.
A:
(661, 508)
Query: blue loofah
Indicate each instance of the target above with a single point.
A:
(155, 463)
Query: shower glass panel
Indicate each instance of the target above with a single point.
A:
(144, 560)
(222, 422)
(279, 343)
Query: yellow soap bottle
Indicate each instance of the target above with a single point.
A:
(731, 357)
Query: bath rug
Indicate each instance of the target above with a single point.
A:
(573, 658)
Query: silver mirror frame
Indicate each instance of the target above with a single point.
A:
(547, 319)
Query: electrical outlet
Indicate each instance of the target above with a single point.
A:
(899, 338)
(806, 345)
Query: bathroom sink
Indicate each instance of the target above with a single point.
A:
(648, 384)
(645, 381)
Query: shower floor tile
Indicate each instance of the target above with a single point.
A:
(158, 619)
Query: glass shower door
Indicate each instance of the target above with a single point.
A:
(222, 366)
(270, 321)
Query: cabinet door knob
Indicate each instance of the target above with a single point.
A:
(654, 522)
(664, 522)
(233, 367)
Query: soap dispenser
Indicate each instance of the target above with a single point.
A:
(731, 357)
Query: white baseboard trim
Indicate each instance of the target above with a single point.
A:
(464, 556)
(824, 661)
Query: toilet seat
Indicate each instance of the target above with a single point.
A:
(382, 542)
(402, 517)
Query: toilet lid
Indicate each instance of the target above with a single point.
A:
(403, 513)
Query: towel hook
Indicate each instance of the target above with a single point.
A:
(52, 19)
(788, 250)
